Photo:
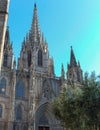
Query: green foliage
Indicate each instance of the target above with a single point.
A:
(91, 100)
(79, 108)
(65, 107)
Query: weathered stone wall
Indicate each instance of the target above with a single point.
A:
(3, 23)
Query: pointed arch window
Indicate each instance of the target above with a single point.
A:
(3, 86)
(20, 92)
(18, 113)
(29, 58)
(40, 58)
(0, 111)
(5, 60)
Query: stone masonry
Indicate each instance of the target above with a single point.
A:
(3, 23)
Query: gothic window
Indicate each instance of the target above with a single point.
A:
(29, 58)
(2, 86)
(40, 58)
(5, 60)
(0, 111)
(18, 113)
(20, 92)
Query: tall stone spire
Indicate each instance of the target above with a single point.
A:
(35, 30)
(73, 62)
(74, 73)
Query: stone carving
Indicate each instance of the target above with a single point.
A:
(47, 90)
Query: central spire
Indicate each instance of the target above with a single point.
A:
(35, 30)
(72, 58)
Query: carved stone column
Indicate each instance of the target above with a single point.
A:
(31, 102)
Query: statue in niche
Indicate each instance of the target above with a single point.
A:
(31, 113)
(47, 93)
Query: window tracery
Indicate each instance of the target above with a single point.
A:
(40, 58)
(5, 60)
(20, 89)
(29, 58)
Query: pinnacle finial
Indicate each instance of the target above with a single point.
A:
(7, 35)
(71, 47)
(78, 63)
(24, 40)
(7, 27)
(35, 5)
(35, 29)
(7, 31)
(72, 58)
(62, 73)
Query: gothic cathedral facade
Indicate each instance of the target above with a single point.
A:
(26, 92)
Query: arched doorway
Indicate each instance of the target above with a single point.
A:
(45, 120)
(43, 117)
(43, 123)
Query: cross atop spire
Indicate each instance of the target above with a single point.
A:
(72, 58)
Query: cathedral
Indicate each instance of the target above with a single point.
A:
(26, 91)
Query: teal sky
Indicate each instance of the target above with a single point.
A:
(64, 23)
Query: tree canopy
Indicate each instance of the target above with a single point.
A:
(78, 107)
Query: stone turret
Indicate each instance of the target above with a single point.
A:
(4, 4)
(74, 73)
(8, 57)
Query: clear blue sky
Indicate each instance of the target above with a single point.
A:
(64, 23)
